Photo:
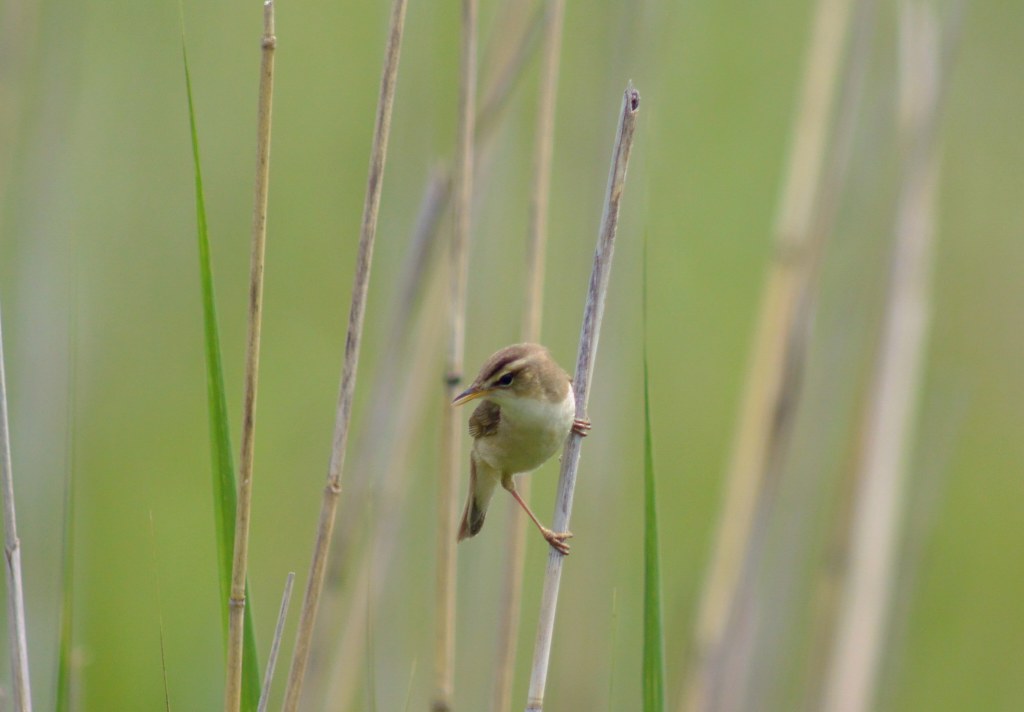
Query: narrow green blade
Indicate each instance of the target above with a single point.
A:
(653, 661)
(224, 487)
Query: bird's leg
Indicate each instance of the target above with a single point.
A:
(555, 539)
(581, 426)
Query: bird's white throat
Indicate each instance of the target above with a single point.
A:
(538, 413)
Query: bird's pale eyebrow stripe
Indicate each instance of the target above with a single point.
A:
(512, 363)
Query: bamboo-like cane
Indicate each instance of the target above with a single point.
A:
(593, 313)
(17, 637)
(889, 419)
(236, 604)
(357, 312)
(512, 588)
(451, 432)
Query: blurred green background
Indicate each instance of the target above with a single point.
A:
(97, 230)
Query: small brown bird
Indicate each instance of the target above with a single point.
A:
(528, 411)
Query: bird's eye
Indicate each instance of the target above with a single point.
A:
(505, 380)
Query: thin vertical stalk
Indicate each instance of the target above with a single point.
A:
(275, 645)
(831, 576)
(236, 604)
(17, 637)
(434, 203)
(506, 78)
(533, 308)
(377, 452)
(593, 313)
(779, 341)
(889, 419)
(541, 187)
(379, 424)
(451, 432)
(357, 312)
(367, 580)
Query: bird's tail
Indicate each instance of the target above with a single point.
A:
(482, 482)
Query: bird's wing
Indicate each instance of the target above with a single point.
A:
(484, 420)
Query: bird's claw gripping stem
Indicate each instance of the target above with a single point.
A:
(581, 426)
(557, 540)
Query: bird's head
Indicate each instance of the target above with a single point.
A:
(515, 372)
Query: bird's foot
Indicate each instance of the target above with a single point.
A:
(557, 540)
(581, 427)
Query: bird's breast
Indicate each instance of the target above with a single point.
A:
(529, 433)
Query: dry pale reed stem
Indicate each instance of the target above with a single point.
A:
(832, 575)
(495, 99)
(378, 457)
(541, 188)
(512, 588)
(593, 313)
(379, 424)
(764, 391)
(451, 432)
(236, 604)
(733, 667)
(357, 312)
(275, 645)
(436, 195)
(367, 579)
(889, 418)
(382, 430)
(736, 668)
(12, 553)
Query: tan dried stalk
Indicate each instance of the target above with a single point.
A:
(335, 676)
(379, 424)
(533, 307)
(776, 354)
(889, 419)
(357, 312)
(593, 313)
(16, 630)
(343, 672)
(451, 431)
(236, 604)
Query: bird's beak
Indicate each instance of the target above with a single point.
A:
(471, 393)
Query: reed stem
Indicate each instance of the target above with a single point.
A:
(16, 630)
(357, 312)
(593, 313)
(236, 603)
(451, 432)
(888, 427)
(336, 679)
(533, 308)
(775, 369)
